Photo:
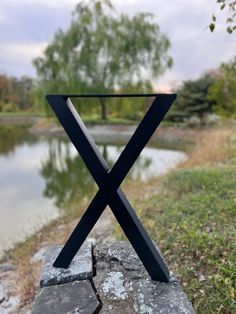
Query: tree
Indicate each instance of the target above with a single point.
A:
(103, 52)
(193, 98)
(23, 89)
(231, 16)
(223, 91)
(4, 88)
(16, 93)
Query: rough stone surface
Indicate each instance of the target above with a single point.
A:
(6, 267)
(76, 297)
(9, 298)
(25, 310)
(10, 305)
(124, 286)
(39, 255)
(2, 293)
(81, 268)
(155, 297)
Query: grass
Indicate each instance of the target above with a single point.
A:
(94, 119)
(89, 119)
(193, 219)
(21, 114)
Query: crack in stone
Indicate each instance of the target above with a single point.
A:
(99, 308)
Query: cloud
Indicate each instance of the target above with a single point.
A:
(16, 58)
(24, 51)
(26, 26)
(46, 3)
(33, 22)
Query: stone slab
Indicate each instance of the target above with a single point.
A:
(118, 284)
(74, 297)
(124, 286)
(81, 267)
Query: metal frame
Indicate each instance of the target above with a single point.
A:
(109, 180)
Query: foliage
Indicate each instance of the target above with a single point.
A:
(16, 94)
(95, 120)
(231, 20)
(4, 88)
(66, 178)
(193, 99)
(223, 90)
(214, 92)
(103, 52)
(23, 88)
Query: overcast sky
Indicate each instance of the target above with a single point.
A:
(27, 26)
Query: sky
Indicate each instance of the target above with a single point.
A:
(27, 26)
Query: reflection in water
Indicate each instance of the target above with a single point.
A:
(67, 179)
(39, 176)
(12, 136)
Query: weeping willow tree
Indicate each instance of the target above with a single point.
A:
(103, 52)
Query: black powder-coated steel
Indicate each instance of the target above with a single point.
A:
(109, 180)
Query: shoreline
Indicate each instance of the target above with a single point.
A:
(167, 135)
(41, 126)
(19, 120)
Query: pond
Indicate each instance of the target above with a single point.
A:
(42, 176)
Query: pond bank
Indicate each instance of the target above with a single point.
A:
(47, 127)
(164, 134)
(19, 120)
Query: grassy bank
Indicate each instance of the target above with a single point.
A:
(193, 219)
(22, 114)
(94, 120)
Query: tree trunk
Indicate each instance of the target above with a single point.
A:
(103, 109)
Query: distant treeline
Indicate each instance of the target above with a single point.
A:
(213, 92)
(16, 94)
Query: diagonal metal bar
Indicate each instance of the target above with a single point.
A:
(131, 226)
(80, 137)
(138, 237)
(115, 198)
(81, 231)
(141, 136)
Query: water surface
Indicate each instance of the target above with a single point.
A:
(41, 176)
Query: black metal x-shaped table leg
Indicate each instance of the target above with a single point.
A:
(109, 181)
